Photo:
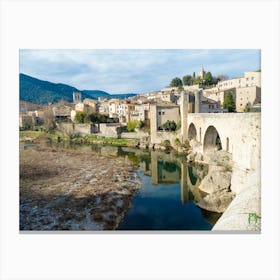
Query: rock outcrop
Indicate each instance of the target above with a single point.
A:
(217, 201)
(217, 179)
(217, 184)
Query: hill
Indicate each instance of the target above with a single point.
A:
(42, 92)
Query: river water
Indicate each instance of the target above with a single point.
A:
(167, 199)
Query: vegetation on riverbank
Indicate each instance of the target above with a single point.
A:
(29, 135)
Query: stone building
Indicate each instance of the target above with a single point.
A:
(27, 121)
(163, 113)
(25, 106)
(168, 96)
(61, 112)
(91, 103)
(219, 95)
(88, 107)
(114, 107)
(210, 106)
(141, 112)
(247, 97)
(85, 108)
(102, 106)
(251, 78)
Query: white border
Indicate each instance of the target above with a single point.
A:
(157, 24)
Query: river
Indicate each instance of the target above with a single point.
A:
(169, 192)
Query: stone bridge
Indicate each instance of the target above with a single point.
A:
(236, 133)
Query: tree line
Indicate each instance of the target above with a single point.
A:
(189, 80)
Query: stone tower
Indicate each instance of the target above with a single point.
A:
(197, 96)
(77, 97)
(184, 107)
(202, 73)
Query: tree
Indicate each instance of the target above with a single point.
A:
(197, 81)
(221, 78)
(208, 78)
(229, 102)
(169, 126)
(176, 82)
(49, 120)
(80, 117)
(131, 125)
(187, 80)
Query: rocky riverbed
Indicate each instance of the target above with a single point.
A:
(74, 189)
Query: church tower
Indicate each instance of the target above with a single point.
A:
(202, 73)
(77, 97)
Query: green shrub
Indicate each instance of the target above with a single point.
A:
(169, 126)
(132, 125)
(229, 102)
(80, 117)
(177, 142)
(166, 143)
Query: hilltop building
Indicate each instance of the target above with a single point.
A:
(202, 73)
(246, 91)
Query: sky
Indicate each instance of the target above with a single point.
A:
(132, 70)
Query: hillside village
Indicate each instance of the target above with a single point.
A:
(195, 123)
(112, 117)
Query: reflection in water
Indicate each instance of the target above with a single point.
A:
(166, 172)
(167, 199)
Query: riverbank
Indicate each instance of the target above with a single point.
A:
(31, 136)
(68, 189)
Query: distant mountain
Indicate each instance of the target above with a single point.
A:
(42, 92)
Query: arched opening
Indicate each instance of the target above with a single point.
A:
(227, 145)
(212, 141)
(192, 132)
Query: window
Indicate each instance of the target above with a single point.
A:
(159, 113)
(247, 79)
(241, 104)
(162, 113)
(252, 78)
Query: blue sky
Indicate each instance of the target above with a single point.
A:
(139, 71)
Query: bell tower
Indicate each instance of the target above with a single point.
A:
(77, 97)
(202, 73)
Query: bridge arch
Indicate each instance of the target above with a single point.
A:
(212, 141)
(192, 134)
